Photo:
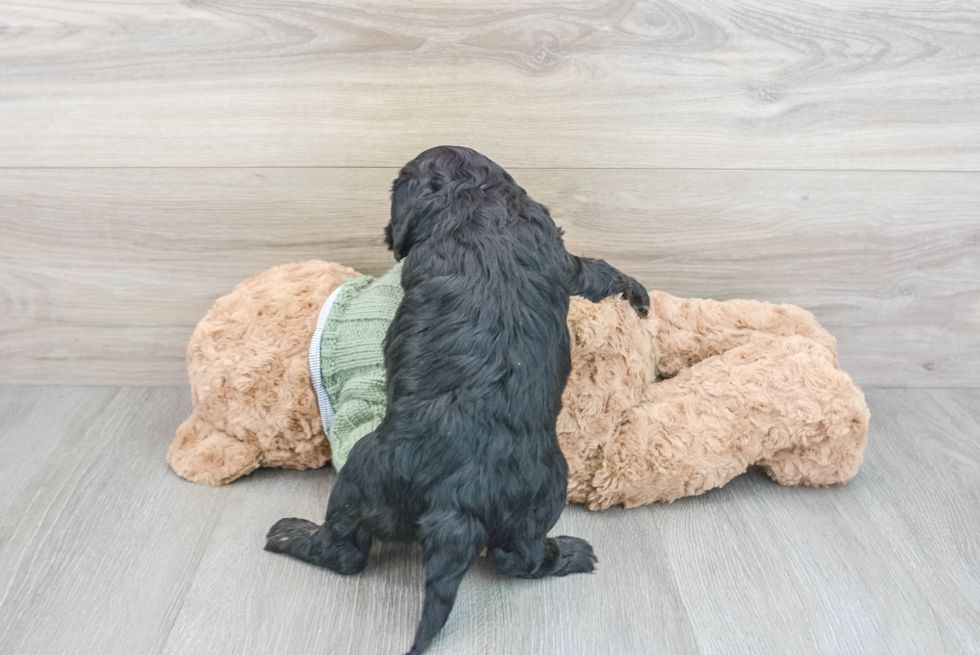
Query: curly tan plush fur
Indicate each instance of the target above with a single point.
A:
(748, 383)
(254, 404)
(655, 409)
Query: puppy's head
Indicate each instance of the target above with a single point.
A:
(431, 193)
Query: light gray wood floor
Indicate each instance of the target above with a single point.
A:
(104, 550)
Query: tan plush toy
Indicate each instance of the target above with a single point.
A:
(655, 408)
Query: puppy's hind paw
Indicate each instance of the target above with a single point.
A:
(576, 556)
(286, 532)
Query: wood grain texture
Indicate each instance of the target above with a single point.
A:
(102, 544)
(107, 551)
(104, 273)
(584, 83)
(31, 431)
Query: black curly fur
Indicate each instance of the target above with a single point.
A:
(477, 358)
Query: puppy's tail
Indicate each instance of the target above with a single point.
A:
(451, 543)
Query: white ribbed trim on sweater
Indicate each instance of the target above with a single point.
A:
(316, 375)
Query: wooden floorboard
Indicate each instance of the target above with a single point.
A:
(34, 421)
(104, 273)
(833, 84)
(106, 550)
(103, 544)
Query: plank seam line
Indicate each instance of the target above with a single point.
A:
(511, 168)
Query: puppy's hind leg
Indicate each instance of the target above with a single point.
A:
(451, 543)
(341, 544)
(540, 558)
(320, 545)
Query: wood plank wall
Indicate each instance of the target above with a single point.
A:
(823, 153)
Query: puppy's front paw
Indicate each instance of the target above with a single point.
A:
(576, 555)
(637, 296)
(286, 532)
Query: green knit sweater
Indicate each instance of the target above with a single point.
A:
(351, 357)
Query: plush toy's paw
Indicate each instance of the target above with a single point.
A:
(636, 295)
(286, 532)
(575, 556)
(203, 454)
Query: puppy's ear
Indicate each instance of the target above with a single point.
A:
(404, 217)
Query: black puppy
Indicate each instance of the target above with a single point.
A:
(477, 357)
